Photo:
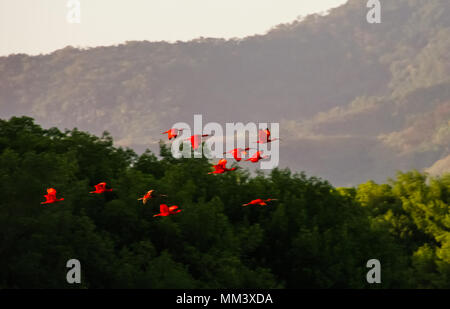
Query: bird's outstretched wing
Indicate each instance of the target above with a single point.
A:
(163, 209)
(48, 199)
(51, 191)
(217, 169)
(100, 187)
(195, 141)
(263, 136)
(222, 163)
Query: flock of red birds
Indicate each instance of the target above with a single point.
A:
(219, 168)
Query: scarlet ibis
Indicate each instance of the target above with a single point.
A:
(172, 133)
(260, 202)
(256, 157)
(237, 153)
(196, 140)
(50, 197)
(165, 211)
(264, 137)
(148, 195)
(101, 188)
(221, 167)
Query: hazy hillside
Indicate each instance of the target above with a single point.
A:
(440, 166)
(355, 101)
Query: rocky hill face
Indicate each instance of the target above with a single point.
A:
(355, 101)
(440, 167)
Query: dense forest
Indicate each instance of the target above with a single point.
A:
(358, 101)
(314, 236)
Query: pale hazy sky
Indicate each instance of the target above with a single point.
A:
(40, 26)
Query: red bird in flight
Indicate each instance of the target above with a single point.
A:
(221, 167)
(101, 188)
(165, 211)
(196, 140)
(237, 153)
(149, 195)
(264, 137)
(50, 197)
(260, 202)
(172, 133)
(256, 157)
